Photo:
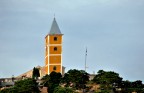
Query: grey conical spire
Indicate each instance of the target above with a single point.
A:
(54, 28)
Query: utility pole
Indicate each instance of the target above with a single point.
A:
(85, 59)
(85, 71)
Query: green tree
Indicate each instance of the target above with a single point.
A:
(128, 86)
(106, 79)
(63, 90)
(137, 84)
(27, 86)
(52, 81)
(35, 73)
(45, 79)
(23, 86)
(9, 90)
(77, 78)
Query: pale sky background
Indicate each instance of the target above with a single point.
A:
(112, 30)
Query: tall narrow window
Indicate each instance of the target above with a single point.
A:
(54, 68)
(55, 38)
(55, 48)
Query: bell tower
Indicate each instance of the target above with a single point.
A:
(53, 49)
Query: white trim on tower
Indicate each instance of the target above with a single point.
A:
(61, 53)
(48, 56)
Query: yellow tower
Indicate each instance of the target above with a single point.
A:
(53, 49)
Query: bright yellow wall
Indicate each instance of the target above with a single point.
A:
(46, 60)
(46, 51)
(59, 39)
(57, 66)
(59, 50)
(46, 40)
(55, 59)
(46, 69)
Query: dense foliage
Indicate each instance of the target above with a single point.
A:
(75, 78)
(109, 82)
(107, 77)
(35, 73)
(128, 86)
(23, 86)
(52, 81)
(63, 90)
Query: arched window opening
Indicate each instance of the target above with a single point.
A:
(54, 68)
(55, 38)
(55, 48)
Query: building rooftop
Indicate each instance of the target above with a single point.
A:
(54, 28)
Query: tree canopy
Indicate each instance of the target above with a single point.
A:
(63, 90)
(76, 78)
(52, 81)
(128, 86)
(35, 73)
(23, 86)
(107, 77)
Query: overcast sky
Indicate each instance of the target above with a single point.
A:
(112, 31)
